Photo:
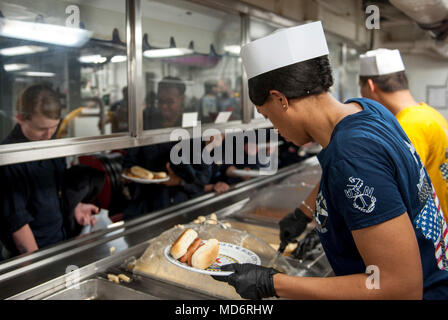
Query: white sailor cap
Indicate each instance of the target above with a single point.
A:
(380, 62)
(284, 47)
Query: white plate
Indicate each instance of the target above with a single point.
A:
(228, 253)
(145, 181)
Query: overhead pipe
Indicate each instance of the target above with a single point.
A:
(430, 15)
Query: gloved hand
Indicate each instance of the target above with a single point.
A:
(292, 226)
(250, 281)
(306, 246)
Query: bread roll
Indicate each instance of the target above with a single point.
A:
(180, 246)
(205, 255)
(129, 174)
(160, 175)
(142, 173)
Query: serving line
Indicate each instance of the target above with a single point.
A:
(40, 274)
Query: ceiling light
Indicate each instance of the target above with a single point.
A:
(41, 32)
(118, 59)
(37, 74)
(95, 58)
(21, 50)
(15, 67)
(169, 52)
(233, 49)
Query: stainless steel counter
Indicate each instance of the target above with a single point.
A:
(44, 274)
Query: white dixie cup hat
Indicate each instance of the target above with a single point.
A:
(380, 62)
(283, 48)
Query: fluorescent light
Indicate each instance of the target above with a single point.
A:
(20, 50)
(118, 59)
(37, 74)
(170, 52)
(233, 49)
(41, 32)
(15, 67)
(95, 58)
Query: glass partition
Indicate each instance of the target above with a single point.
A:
(258, 29)
(191, 65)
(62, 69)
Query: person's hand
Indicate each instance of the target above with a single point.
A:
(249, 280)
(229, 171)
(84, 213)
(246, 178)
(292, 226)
(174, 179)
(221, 187)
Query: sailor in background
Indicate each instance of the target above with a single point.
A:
(383, 79)
(375, 201)
(42, 202)
(187, 180)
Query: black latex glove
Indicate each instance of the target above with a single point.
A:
(306, 245)
(250, 281)
(292, 226)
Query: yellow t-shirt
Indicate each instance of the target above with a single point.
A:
(428, 131)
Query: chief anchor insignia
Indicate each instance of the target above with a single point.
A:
(364, 200)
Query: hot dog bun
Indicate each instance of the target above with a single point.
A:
(142, 173)
(205, 255)
(191, 249)
(181, 245)
(160, 175)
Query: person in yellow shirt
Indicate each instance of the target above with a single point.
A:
(383, 78)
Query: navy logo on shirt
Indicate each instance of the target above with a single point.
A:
(364, 200)
(424, 188)
(321, 213)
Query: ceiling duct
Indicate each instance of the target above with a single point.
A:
(431, 15)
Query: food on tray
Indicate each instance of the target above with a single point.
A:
(141, 173)
(124, 278)
(189, 248)
(113, 278)
(288, 250)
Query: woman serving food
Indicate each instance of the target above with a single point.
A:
(375, 198)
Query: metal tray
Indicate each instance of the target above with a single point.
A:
(100, 289)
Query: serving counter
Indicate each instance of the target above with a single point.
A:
(247, 215)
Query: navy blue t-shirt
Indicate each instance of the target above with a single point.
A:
(30, 194)
(371, 173)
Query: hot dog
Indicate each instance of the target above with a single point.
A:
(189, 248)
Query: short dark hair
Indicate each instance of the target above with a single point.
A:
(389, 82)
(209, 84)
(173, 82)
(311, 77)
(38, 98)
